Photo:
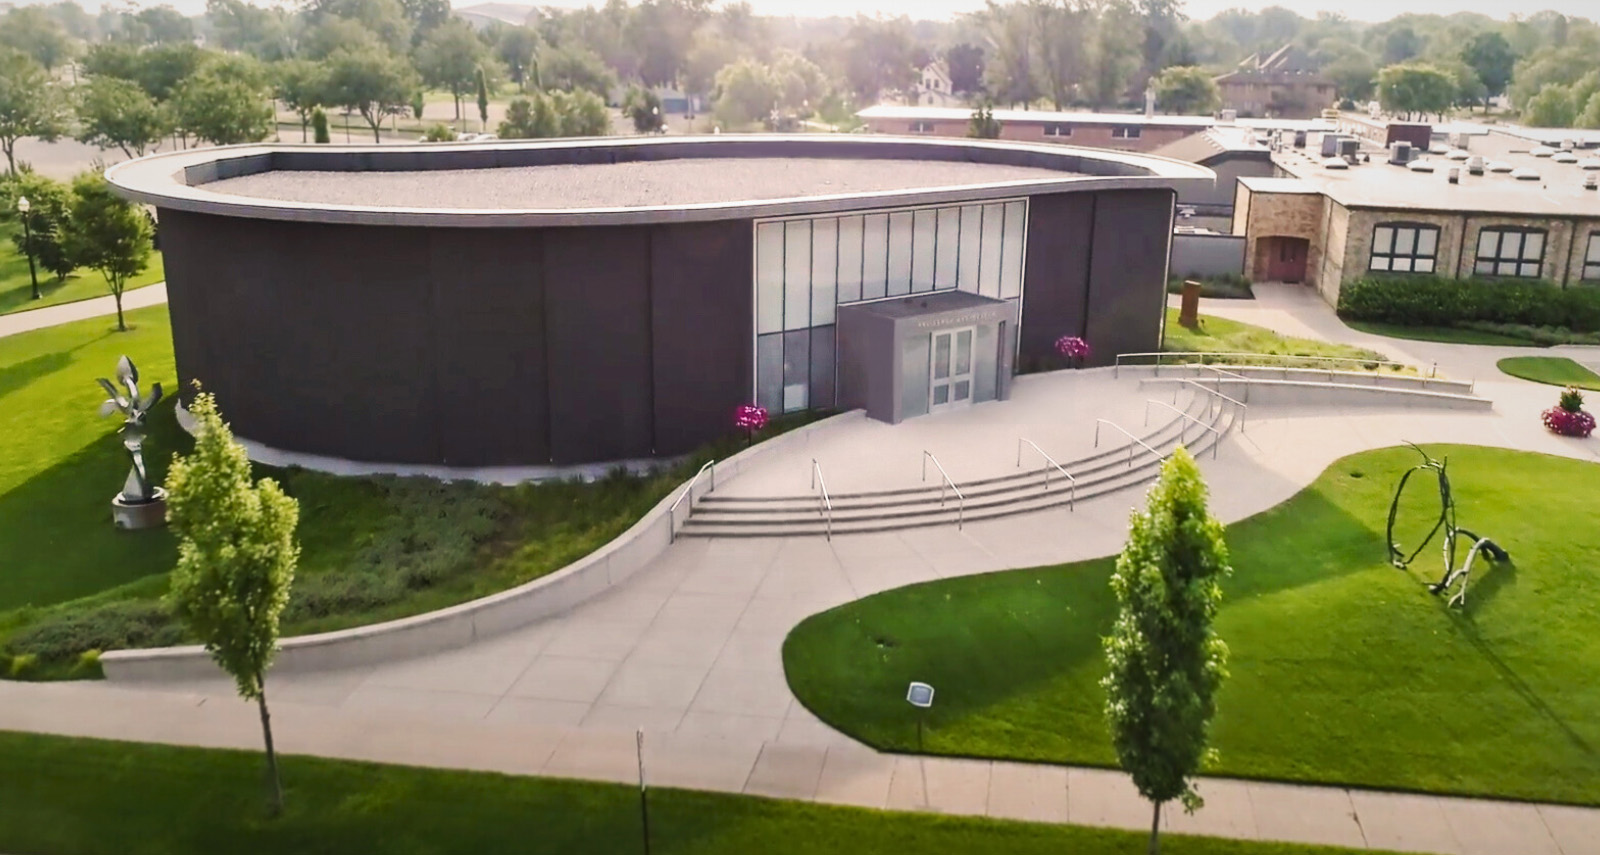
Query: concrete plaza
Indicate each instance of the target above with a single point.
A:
(689, 651)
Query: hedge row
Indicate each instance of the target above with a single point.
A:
(1424, 301)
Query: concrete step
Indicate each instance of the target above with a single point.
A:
(810, 521)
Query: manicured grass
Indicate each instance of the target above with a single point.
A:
(1343, 669)
(1447, 335)
(373, 549)
(16, 289)
(87, 797)
(1554, 370)
(1221, 335)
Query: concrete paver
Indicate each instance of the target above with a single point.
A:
(1487, 827)
(1306, 814)
(1032, 792)
(787, 771)
(1404, 822)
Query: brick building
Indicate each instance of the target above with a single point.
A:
(1124, 131)
(1286, 84)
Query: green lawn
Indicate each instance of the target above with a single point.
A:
(373, 549)
(1344, 670)
(86, 797)
(1220, 335)
(1447, 335)
(1554, 370)
(16, 289)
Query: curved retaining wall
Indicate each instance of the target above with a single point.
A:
(462, 624)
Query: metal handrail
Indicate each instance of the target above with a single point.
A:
(823, 501)
(1214, 445)
(1099, 422)
(1072, 483)
(1243, 408)
(672, 512)
(961, 512)
(1223, 372)
(1259, 358)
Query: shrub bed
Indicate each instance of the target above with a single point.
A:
(1437, 301)
(1229, 287)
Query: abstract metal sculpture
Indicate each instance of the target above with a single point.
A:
(1447, 522)
(140, 504)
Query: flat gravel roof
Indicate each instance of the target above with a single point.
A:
(688, 181)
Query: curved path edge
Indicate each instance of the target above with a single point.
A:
(459, 625)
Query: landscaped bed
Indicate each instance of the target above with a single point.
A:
(373, 549)
(88, 797)
(1343, 669)
(1221, 335)
(1553, 370)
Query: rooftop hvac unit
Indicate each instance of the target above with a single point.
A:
(1400, 153)
(1568, 145)
(1229, 117)
(1475, 165)
(1330, 145)
(1349, 148)
(1299, 139)
(1591, 182)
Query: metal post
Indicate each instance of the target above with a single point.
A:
(644, 802)
(27, 241)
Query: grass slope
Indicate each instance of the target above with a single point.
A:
(1344, 670)
(1447, 335)
(373, 549)
(88, 797)
(1554, 370)
(1220, 335)
(16, 289)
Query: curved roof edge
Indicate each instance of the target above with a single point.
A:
(177, 179)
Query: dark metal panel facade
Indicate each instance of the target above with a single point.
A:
(1056, 285)
(1128, 289)
(597, 328)
(702, 325)
(489, 346)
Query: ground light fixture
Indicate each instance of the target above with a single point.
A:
(920, 695)
(23, 207)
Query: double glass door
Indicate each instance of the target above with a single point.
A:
(950, 374)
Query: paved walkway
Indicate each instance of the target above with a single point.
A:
(689, 650)
(49, 316)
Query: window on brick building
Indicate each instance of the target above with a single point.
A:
(1510, 252)
(1125, 132)
(1591, 259)
(1057, 129)
(1404, 248)
(922, 127)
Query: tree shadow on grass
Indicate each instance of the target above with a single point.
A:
(21, 374)
(1000, 639)
(59, 540)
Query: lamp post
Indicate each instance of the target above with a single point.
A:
(23, 207)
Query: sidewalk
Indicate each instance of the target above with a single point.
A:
(833, 773)
(49, 316)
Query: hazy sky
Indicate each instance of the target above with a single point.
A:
(1367, 10)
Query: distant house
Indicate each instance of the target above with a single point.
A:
(485, 15)
(1285, 85)
(932, 88)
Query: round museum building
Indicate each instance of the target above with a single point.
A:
(579, 301)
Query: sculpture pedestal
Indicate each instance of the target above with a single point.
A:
(132, 517)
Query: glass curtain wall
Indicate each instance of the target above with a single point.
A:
(807, 267)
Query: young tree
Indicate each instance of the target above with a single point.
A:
(1186, 89)
(419, 104)
(1490, 55)
(582, 114)
(574, 67)
(516, 49)
(319, 125)
(236, 559)
(30, 104)
(117, 113)
(1552, 108)
(449, 58)
(1165, 661)
(643, 108)
(483, 101)
(1590, 117)
(1415, 88)
(50, 203)
(745, 93)
(302, 87)
(983, 125)
(965, 64)
(32, 30)
(372, 82)
(223, 110)
(107, 233)
(530, 118)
